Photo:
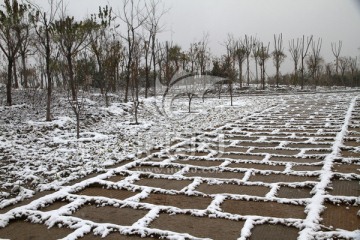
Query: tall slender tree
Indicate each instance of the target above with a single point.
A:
(294, 49)
(13, 31)
(43, 24)
(304, 48)
(278, 56)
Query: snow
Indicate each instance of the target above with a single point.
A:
(50, 157)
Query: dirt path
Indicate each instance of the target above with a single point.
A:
(289, 172)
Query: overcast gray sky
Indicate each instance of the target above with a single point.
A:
(188, 20)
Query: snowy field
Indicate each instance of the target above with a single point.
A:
(270, 164)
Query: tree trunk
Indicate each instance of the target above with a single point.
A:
(49, 85)
(248, 71)
(77, 124)
(190, 98)
(16, 82)
(71, 77)
(9, 82)
(24, 70)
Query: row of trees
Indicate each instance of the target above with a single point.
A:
(120, 51)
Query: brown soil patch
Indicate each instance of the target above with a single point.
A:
(163, 183)
(288, 139)
(260, 191)
(194, 154)
(346, 168)
(242, 138)
(236, 149)
(157, 159)
(55, 205)
(115, 236)
(270, 209)
(116, 178)
(345, 188)
(341, 216)
(107, 214)
(300, 131)
(241, 156)
(289, 192)
(156, 170)
(306, 168)
(258, 166)
(271, 232)
(273, 178)
(310, 152)
(304, 145)
(258, 144)
(214, 174)
(296, 160)
(352, 143)
(179, 201)
(201, 227)
(205, 163)
(276, 151)
(347, 153)
(24, 230)
(120, 194)
(122, 163)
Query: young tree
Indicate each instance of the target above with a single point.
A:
(263, 55)
(304, 48)
(229, 65)
(314, 61)
(294, 49)
(134, 16)
(43, 23)
(278, 56)
(256, 46)
(353, 69)
(343, 65)
(248, 46)
(336, 50)
(241, 54)
(13, 31)
(72, 38)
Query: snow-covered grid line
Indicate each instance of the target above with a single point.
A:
(315, 207)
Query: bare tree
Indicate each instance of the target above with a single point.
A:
(155, 13)
(336, 50)
(43, 21)
(343, 65)
(278, 56)
(304, 48)
(256, 58)
(134, 16)
(263, 55)
(353, 69)
(294, 49)
(13, 31)
(229, 62)
(248, 44)
(314, 60)
(240, 54)
(72, 36)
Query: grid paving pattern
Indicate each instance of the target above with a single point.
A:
(291, 171)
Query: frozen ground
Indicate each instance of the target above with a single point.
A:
(287, 165)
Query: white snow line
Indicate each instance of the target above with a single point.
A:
(315, 207)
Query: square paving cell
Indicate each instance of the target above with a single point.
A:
(204, 163)
(211, 173)
(116, 236)
(346, 168)
(260, 208)
(156, 170)
(169, 184)
(201, 227)
(179, 201)
(273, 178)
(108, 214)
(98, 190)
(290, 192)
(272, 232)
(258, 166)
(26, 230)
(260, 191)
(341, 216)
(345, 187)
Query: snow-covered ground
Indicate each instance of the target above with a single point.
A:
(39, 155)
(272, 143)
